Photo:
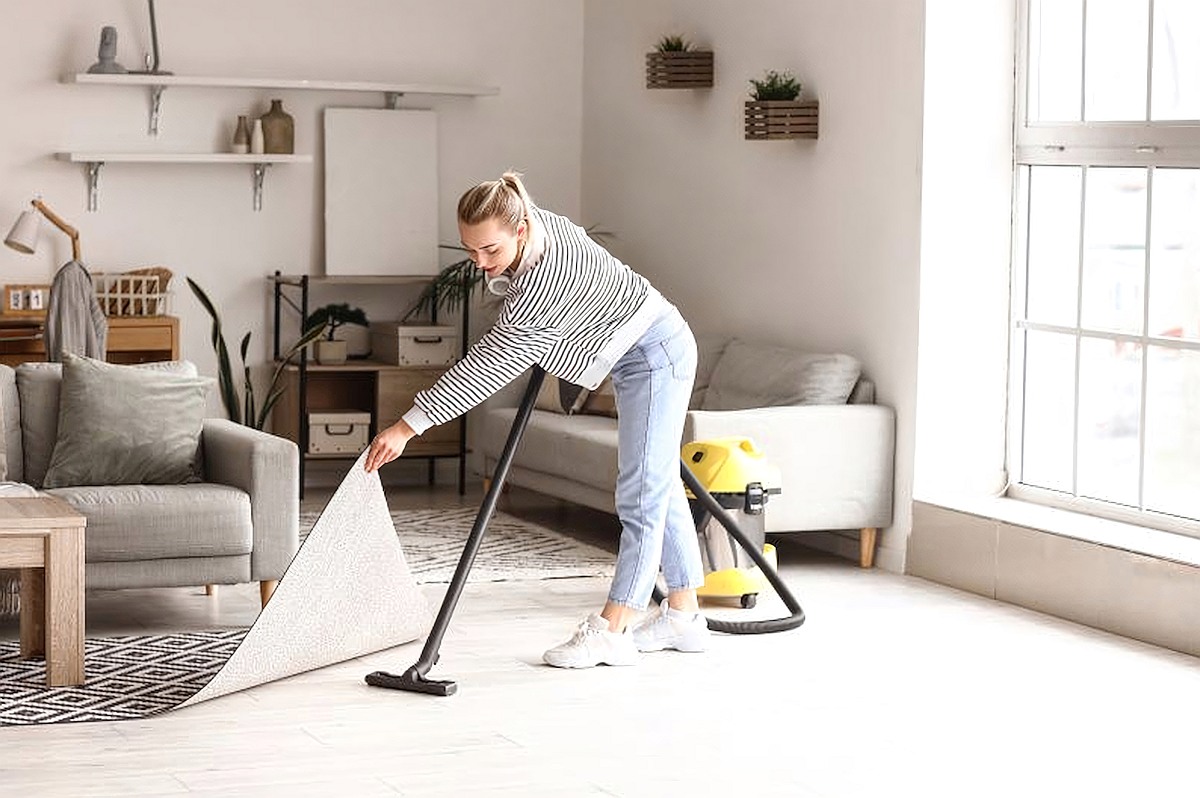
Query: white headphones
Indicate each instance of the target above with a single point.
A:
(498, 285)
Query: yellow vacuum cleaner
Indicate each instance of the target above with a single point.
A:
(736, 474)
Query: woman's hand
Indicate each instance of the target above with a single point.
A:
(388, 445)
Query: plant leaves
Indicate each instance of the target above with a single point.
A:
(224, 368)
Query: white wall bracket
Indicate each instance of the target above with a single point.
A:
(93, 170)
(156, 93)
(260, 171)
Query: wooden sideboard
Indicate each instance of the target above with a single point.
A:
(131, 339)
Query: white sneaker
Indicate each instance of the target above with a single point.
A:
(591, 645)
(668, 628)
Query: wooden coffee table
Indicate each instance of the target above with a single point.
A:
(43, 536)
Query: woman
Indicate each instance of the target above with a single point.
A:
(580, 313)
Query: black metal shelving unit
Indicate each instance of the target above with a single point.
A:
(303, 284)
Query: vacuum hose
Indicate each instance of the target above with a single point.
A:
(727, 521)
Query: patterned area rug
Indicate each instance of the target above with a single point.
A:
(513, 549)
(139, 676)
(127, 677)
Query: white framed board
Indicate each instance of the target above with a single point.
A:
(381, 192)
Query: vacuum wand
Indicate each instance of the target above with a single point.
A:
(414, 679)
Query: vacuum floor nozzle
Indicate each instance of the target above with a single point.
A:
(411, 681)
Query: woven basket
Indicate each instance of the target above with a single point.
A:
(138, 292)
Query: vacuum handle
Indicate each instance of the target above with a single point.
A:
(429, 654)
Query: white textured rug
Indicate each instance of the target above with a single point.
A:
(347, 592)
(513, 549)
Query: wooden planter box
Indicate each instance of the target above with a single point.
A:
(679, 70)
(781, 119)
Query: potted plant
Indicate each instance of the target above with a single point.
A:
(247, 411)
(676, 64)
(775, 110)
(330, 350)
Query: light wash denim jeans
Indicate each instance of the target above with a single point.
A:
(653, 383)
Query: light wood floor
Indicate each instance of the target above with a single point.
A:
(894, 686)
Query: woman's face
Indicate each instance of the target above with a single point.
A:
(491, 245)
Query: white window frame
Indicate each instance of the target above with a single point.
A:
(1166, 144)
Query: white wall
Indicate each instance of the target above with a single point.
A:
(812, 243)
(198, 220)
(966, 236)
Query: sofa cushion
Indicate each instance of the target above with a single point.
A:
(762, 375)
(128, 523)
(10, 426)
(709, 349)
(121, 425)
(39, 386)
(560, 396)
(579, 447)
(602, 401)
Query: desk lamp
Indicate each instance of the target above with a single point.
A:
(24, 234)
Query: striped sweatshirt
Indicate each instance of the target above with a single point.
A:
(575, 311)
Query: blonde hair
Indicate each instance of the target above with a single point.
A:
(504, 199)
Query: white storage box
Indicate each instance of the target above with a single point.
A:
(338, 432)
(409, 345)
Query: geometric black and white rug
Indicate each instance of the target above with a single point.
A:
(127, 677)
(138, 676)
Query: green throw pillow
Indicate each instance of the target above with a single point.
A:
(121, 425)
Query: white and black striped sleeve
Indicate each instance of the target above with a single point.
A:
(525, 331)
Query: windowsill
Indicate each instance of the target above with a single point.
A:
(1055, 521)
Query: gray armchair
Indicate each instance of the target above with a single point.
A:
(240, 524)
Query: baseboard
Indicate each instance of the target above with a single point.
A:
(1148, 598)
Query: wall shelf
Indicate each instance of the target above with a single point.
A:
(95, 160)
(354, 279)
(280, 83)
(392, 92)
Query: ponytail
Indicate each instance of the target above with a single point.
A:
(505, 200)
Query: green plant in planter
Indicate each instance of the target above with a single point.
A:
(775, 86)
(335, 315)
(247, 411)
(674, 44)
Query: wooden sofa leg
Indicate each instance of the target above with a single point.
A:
(866, 546)
(210, 590)
(265, 588)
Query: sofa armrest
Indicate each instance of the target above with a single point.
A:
(268, 468)
(835, 461)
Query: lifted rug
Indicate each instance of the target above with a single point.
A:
(347, 592)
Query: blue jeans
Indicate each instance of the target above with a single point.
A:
(653, 383)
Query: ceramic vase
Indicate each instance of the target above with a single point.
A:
(278, 130)
(256, 138)
(241, 137)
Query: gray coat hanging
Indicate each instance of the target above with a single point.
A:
(75, 322)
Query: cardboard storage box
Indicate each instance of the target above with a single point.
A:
(410, 345)
(338, 432)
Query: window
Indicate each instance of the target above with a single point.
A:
(1106, 291)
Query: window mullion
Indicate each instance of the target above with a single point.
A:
(1083, 42)
(1141, 487)
(1150, 63)
(1078, 325)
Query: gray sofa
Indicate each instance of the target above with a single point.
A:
(240, 524)
(813, 415)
